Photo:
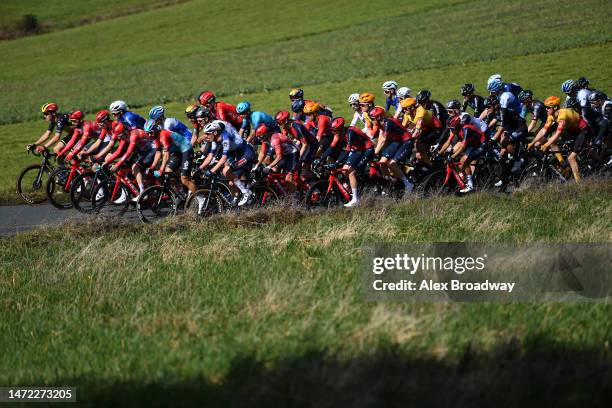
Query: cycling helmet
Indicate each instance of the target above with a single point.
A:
(467, 89)
(243, 107)
(282, 117)
(261, 130)
(465, 118)
(49, 107)
(213, 127)
(552, 101)
(582, 83)
(296, 93)
(453, 104)
(353, 98)
(337, 124)
(151, 127)
(572, 103)
(367, 97)
(597, 96)
(389, 86)
(297, 106)
(404, 92)
(453, 121)
(567, 86)
(494, 78)
(311, 107)
(76, 116)
(103, 116)
(157, 112)
(206, 97)
(408, 103)
(525, 94)
(491, 100)
(203, 112)
(118, 128)
(423, 96)
(376, 113)
(190, 111)
(494, 86)
(118, 107)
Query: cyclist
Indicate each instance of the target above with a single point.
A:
(236, 157)
(119, 110)
(470, 99)
(360, 149)
(426, 128)
(583, 92)
(158, 114)
(353, 101)
(569, 126)
(511, 87)
(297, 107)
(402, 93)
(105, 125)
(220, 110)
(318, 124)
(423, 98)
(366, 103)
(389, 88)
(308, 142)
(394, 143)
(251, 120)
(535, 107)
(284, 151)
(60, 122)
(76, 121)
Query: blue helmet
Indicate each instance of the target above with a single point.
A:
(157, 112)
(495, 85)
(150, 126)
(297, 106)
(243, 107)
(567, 86)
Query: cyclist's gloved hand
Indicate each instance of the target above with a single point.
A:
(267, 170)
(40, 149)
(256, 167)
(208, 173)
(30, 147)
(156, 173)
(316, 162)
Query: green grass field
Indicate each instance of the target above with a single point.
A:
(214, 307)
(267, 305)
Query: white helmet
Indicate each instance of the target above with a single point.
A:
(389, 85)
(118, 107)
(404, 92)
(214, 126)
(494, 78)
(353, 98)
(465, 117)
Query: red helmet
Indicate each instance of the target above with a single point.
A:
(337, 124)
(282, 117)
(118, 128)
(453, 121)
(377, 113)
(206, 97)
(103, 116)
(261, 130)
(76, 115)
(49, 107)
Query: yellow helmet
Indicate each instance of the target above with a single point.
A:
(552, 101)
(407, 103)
(49, 107)
(296, 93)
(311, 107)
(366, 97)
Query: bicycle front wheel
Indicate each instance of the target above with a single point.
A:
(208, 204)
(109, 199)
(58, 189)
(31, 184)
(155, 204)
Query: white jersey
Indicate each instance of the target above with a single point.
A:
(357, 116)
(583, 97)
(480, 124)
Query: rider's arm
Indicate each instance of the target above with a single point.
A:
(262, 152)
(116, 153)
(73, 139)
(165, 157)
(448, 142)
(382, 139)
(43, 137)
(330, 149)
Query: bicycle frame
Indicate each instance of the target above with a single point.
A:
(333, 181)
(452, 169)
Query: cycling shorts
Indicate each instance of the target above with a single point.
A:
(357, 159)
(474, 153)
(309, 153)
(143, 158)
(242, 160)
(428, 138)
(289, 163)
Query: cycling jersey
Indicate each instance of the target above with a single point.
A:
(257, 118)
(87, 131)
(132, 120)
(173, 142)
(394, 130)
(357, 140)
(227, 113)
(512, 87)
(281, 145)
(231, 142)
(479, 124)
(568, 119)
(176, 126)
(537, 110)
(357, 117)
(439, 111)
(321, 128)
(141, 143)
(299, 132)
(583, 97)
(476, 102)
(61, 123)
(423, 119)
(471, 135)
(510, 109)
(392, 101)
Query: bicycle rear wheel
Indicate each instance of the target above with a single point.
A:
(81, 191)
(434, 184)
(211, 203)
(265, 196)
(156, 203)
(108, 201)
(58, 190)
(31, 184)
(318, 197)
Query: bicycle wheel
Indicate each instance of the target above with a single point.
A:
(212, 203)
(318, 197)
(31, 184)
(81, 191)
(58, 190)
(265, 196)
(109, 200)
(156, 203)
(434, 184)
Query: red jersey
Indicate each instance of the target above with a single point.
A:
(395, 131)
(281, 144)
(298, 131)
(226, 112)
(321, 126)
(357, 140)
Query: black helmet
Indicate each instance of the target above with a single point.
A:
(297, 106)
(573, 103)
(203, 112)
(467, 89)
(597, 96)
(423, 96)
(525, 94)
(582, 83)
(491, 100)
(453, 104)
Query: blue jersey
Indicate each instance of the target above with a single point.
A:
(173, 142)
(132, 120)
(175, 125)
(392, 101)
(513, 88)
(257, 118)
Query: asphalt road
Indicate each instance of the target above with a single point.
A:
(19, 218)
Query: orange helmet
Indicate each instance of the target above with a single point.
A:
(408, 103)
(49, 107)
(377, 113)
(311, 107)
(367, 97)
(552, 101)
